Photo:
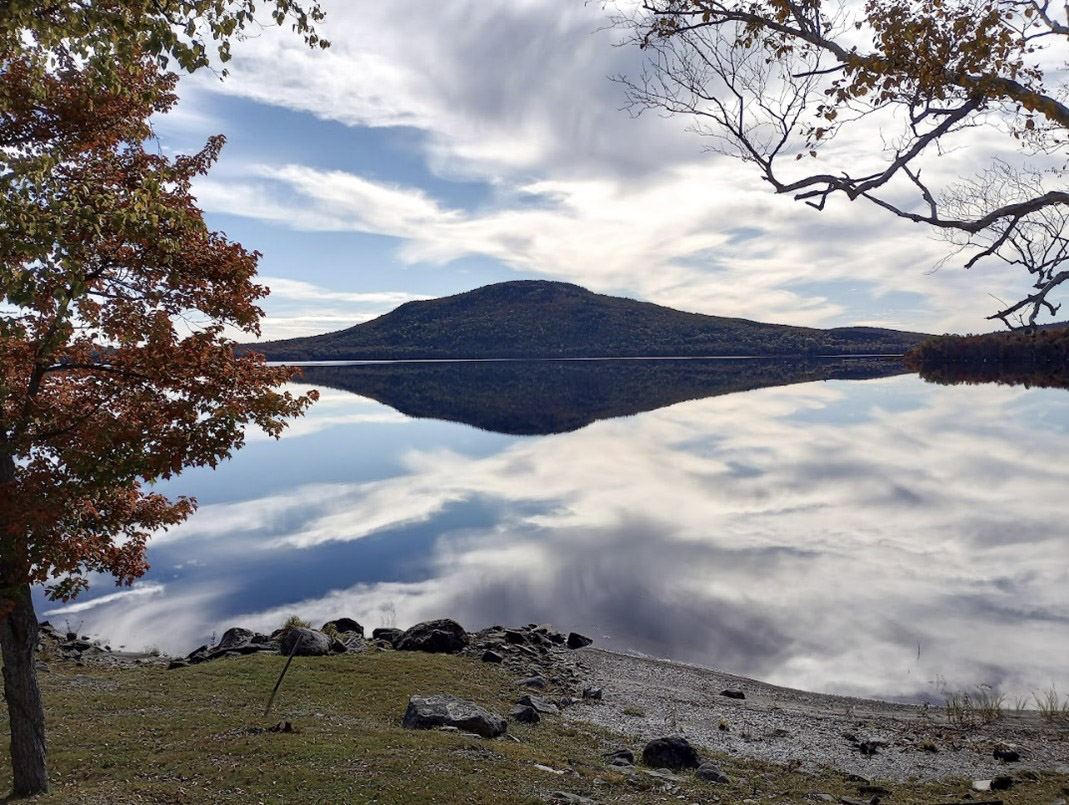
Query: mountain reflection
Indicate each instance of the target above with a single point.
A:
(542, 397)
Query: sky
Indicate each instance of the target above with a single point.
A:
(436, 148)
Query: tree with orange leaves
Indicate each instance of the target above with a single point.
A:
(115, 365)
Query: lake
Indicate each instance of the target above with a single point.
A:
(834, 526)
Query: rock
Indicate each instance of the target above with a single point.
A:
(539, 704)
(197, 655)
(352, 641)
(492, 656)
(626, 756)
(1002, 783)
(337, 646)
(342, 625)
(576, 640)
(733, 694)
(711, 774)
(76, 645)
(670, 752)
(234, 651)
(232, 638)
(536, 682)
(1007, 755)
(308, 643)
(389, 634)
(427, 712)
(525, 713)
(515, 637)
(566, 701)
(177, 664)
(564, 796)
(592, 693)
(549, 769)
(662, 774)
(873, 790)
(981, 785)
(436, 637)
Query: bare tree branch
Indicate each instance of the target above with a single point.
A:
(771, 82)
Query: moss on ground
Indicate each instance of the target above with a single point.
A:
(198, 735)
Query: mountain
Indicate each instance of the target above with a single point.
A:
(541, 397)
(541, 319)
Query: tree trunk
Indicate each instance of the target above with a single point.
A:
(18, 639)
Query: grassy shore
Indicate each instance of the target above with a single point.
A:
(198, 734)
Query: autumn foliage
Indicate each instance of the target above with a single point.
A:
(118, 312)
(1039, 359)
(114, 365)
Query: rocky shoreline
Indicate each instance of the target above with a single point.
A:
(664, 711)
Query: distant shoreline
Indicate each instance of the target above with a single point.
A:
(388, 361)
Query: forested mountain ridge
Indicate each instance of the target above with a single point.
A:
(543, 319)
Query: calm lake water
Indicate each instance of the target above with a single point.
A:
(878, 537)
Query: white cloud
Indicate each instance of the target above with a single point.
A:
(291, 289)
(663, 239)
(519, 98)
(138, 591)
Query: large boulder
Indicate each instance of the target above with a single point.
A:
(576, 640)
(671, 752)
(232, 638)
(528, 715)
(309, 643)
(343, 625)
(428, 712)
(387, 633)
(436, 637)
(539, 704)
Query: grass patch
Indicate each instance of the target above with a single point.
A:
(1051, 706)
(197, 735)
(295, 622)
(969, 709)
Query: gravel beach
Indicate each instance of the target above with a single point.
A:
(647, 697)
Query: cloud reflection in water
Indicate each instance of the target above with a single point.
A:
(855, 537)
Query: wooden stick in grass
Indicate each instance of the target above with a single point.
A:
(282, 676)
